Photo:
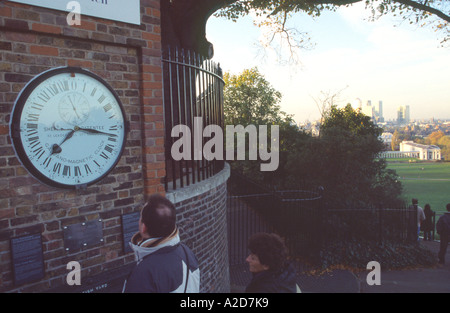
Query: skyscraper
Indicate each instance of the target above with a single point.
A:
(403, 114)
(380, 117)
(375, 113)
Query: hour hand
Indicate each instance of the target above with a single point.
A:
(69, 135)
(57, 148)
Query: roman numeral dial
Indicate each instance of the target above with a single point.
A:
(68, 127)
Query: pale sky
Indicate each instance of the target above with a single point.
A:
(387, 60)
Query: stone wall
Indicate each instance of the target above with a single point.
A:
(202, 219)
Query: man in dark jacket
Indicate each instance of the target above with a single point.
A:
(443, 229)
(164, 264)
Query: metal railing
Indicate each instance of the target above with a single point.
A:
(193, 89)
(296, 215)
(304, 220)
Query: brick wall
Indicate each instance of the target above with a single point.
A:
(202, 220)
(128, 57)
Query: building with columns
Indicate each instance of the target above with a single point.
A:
(410, 149)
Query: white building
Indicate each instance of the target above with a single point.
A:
(426, 152)
(410, 149)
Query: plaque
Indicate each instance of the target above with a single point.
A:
(87, 234)
(27, 258)
(130, 226)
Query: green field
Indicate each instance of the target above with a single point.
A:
(428, 182)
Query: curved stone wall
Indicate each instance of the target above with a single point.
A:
(202, 219)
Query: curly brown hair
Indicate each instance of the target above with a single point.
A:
(270, 250)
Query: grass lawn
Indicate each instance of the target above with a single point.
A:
(428, 182)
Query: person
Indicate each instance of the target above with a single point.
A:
(268, 264)
(164, 264)
(420, 215)
(443, 229)
(427, 224)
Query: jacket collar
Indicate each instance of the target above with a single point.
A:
(142, 247)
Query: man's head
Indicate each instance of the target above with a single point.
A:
(448, 207)
(158, 217)
(415, 201)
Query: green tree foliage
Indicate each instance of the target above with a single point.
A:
(342, 159)
(250, 99)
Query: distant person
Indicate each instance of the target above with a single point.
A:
(268, 264)
(443, 229)
(164, 264)
(427, 224)
(420, 214)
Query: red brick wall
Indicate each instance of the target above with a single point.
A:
(128, 57)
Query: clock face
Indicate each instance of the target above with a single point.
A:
(68, 127)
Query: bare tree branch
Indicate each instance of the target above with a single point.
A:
(425, 7)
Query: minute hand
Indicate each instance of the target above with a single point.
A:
(94, 131)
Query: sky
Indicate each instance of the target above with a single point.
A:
(387, 60)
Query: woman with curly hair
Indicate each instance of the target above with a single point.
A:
(268, 264)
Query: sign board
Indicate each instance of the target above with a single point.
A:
(130, 226)
(78, 236)
(128, 11)
(27, 258)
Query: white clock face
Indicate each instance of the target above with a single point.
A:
(71, 127)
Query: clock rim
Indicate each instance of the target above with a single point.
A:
(16, 117)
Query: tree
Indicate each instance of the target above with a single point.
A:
(395, 142)
(444, 143)
(250, 99)
(343, 160)
(184, 21)
(434, 137)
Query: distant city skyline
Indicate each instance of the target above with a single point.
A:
(397, 63)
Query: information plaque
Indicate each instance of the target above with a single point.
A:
(78, 236)
(130, 226)
(27, 258)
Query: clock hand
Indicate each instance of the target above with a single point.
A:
(57, 148)
(73, 106)
(94, 131)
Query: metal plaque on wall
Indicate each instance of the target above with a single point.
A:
(87, 234)
(130, 225)
(27, 258)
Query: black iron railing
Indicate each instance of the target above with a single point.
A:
(304, 220)
(296, 215)
(193, 96)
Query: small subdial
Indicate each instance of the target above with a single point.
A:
(74, 108)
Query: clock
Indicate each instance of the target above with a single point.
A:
(68, 127)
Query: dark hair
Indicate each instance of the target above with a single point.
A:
(270, 250)
(448, 207)
(415, 201)
(159, 216)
